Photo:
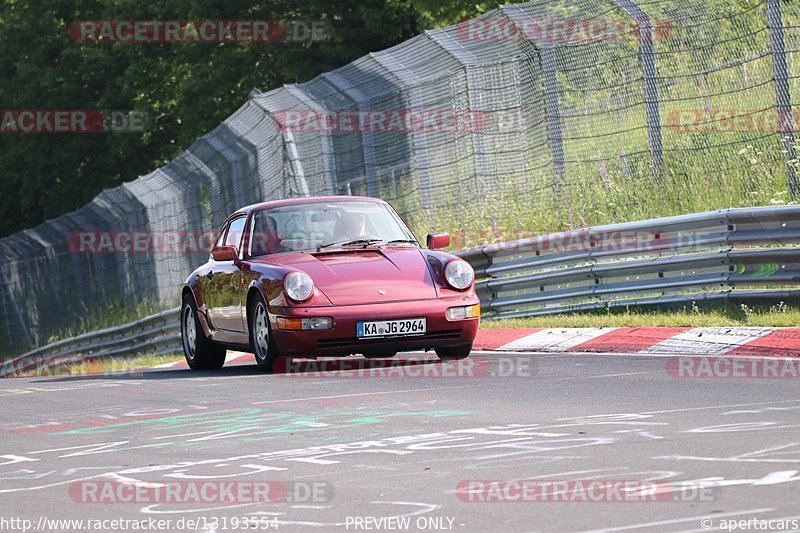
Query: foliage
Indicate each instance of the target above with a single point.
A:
(185, 88)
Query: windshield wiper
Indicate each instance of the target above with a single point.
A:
(400, 241)
(366, 242)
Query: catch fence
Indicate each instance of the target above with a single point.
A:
(539, 117)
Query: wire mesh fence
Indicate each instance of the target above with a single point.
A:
(534, 117)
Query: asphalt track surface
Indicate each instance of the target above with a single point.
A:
(352, 448)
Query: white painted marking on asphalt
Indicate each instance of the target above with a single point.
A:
(555, 340)
(610, 375)
(716, 407)
(708, 341)
(350, 395)
(124, 480)
(166, 365)
(69, 387)
(181, 435)
(153, 509)
(311, 506)
(423, 509)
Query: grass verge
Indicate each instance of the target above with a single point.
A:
(105, 365)
(780, 315)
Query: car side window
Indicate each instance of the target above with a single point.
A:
(235, 232)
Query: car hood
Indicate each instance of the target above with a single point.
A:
(354, 276)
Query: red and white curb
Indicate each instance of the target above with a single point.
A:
(231, 358)
(773, 342)
(730, 341)
(647, 340)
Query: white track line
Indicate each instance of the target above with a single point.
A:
(555, 340)
(708, 341)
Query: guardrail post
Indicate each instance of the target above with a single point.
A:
(650, 77)
(783, 94)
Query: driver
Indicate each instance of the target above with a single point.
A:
(351, 226)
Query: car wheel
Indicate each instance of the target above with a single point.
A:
(452, 353)
(263, 343)
(387, 355)
(200, 353)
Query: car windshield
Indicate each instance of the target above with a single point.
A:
(326, 225)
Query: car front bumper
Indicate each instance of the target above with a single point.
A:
(341, 338)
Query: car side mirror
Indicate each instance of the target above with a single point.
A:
(437, 241)
(224, 253)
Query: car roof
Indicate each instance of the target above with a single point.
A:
(305, 200)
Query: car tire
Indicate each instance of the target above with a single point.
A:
(261, 339)
(454, 353)
(200, 353)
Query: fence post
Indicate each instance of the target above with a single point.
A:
(412, 94)
(783, 96)
(525, 24)
(457, 51)
(295, 163)
(328, 161)
(650, 77)
(553, 112)
(360, 99)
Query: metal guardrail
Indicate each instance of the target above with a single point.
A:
(157, 334)
(748, 255)
(734, 254)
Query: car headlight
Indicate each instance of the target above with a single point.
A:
(298, 286)
(459, 274)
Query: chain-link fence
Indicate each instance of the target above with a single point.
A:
(534, 117)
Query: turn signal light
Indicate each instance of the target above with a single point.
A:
(464, 312)
(316, 323)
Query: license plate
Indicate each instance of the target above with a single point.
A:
(390, 328)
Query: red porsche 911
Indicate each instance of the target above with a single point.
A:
(324, 276)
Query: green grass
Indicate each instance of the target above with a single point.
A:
(748, 175)
(104, 365)
(116, 314)
(779, 315)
